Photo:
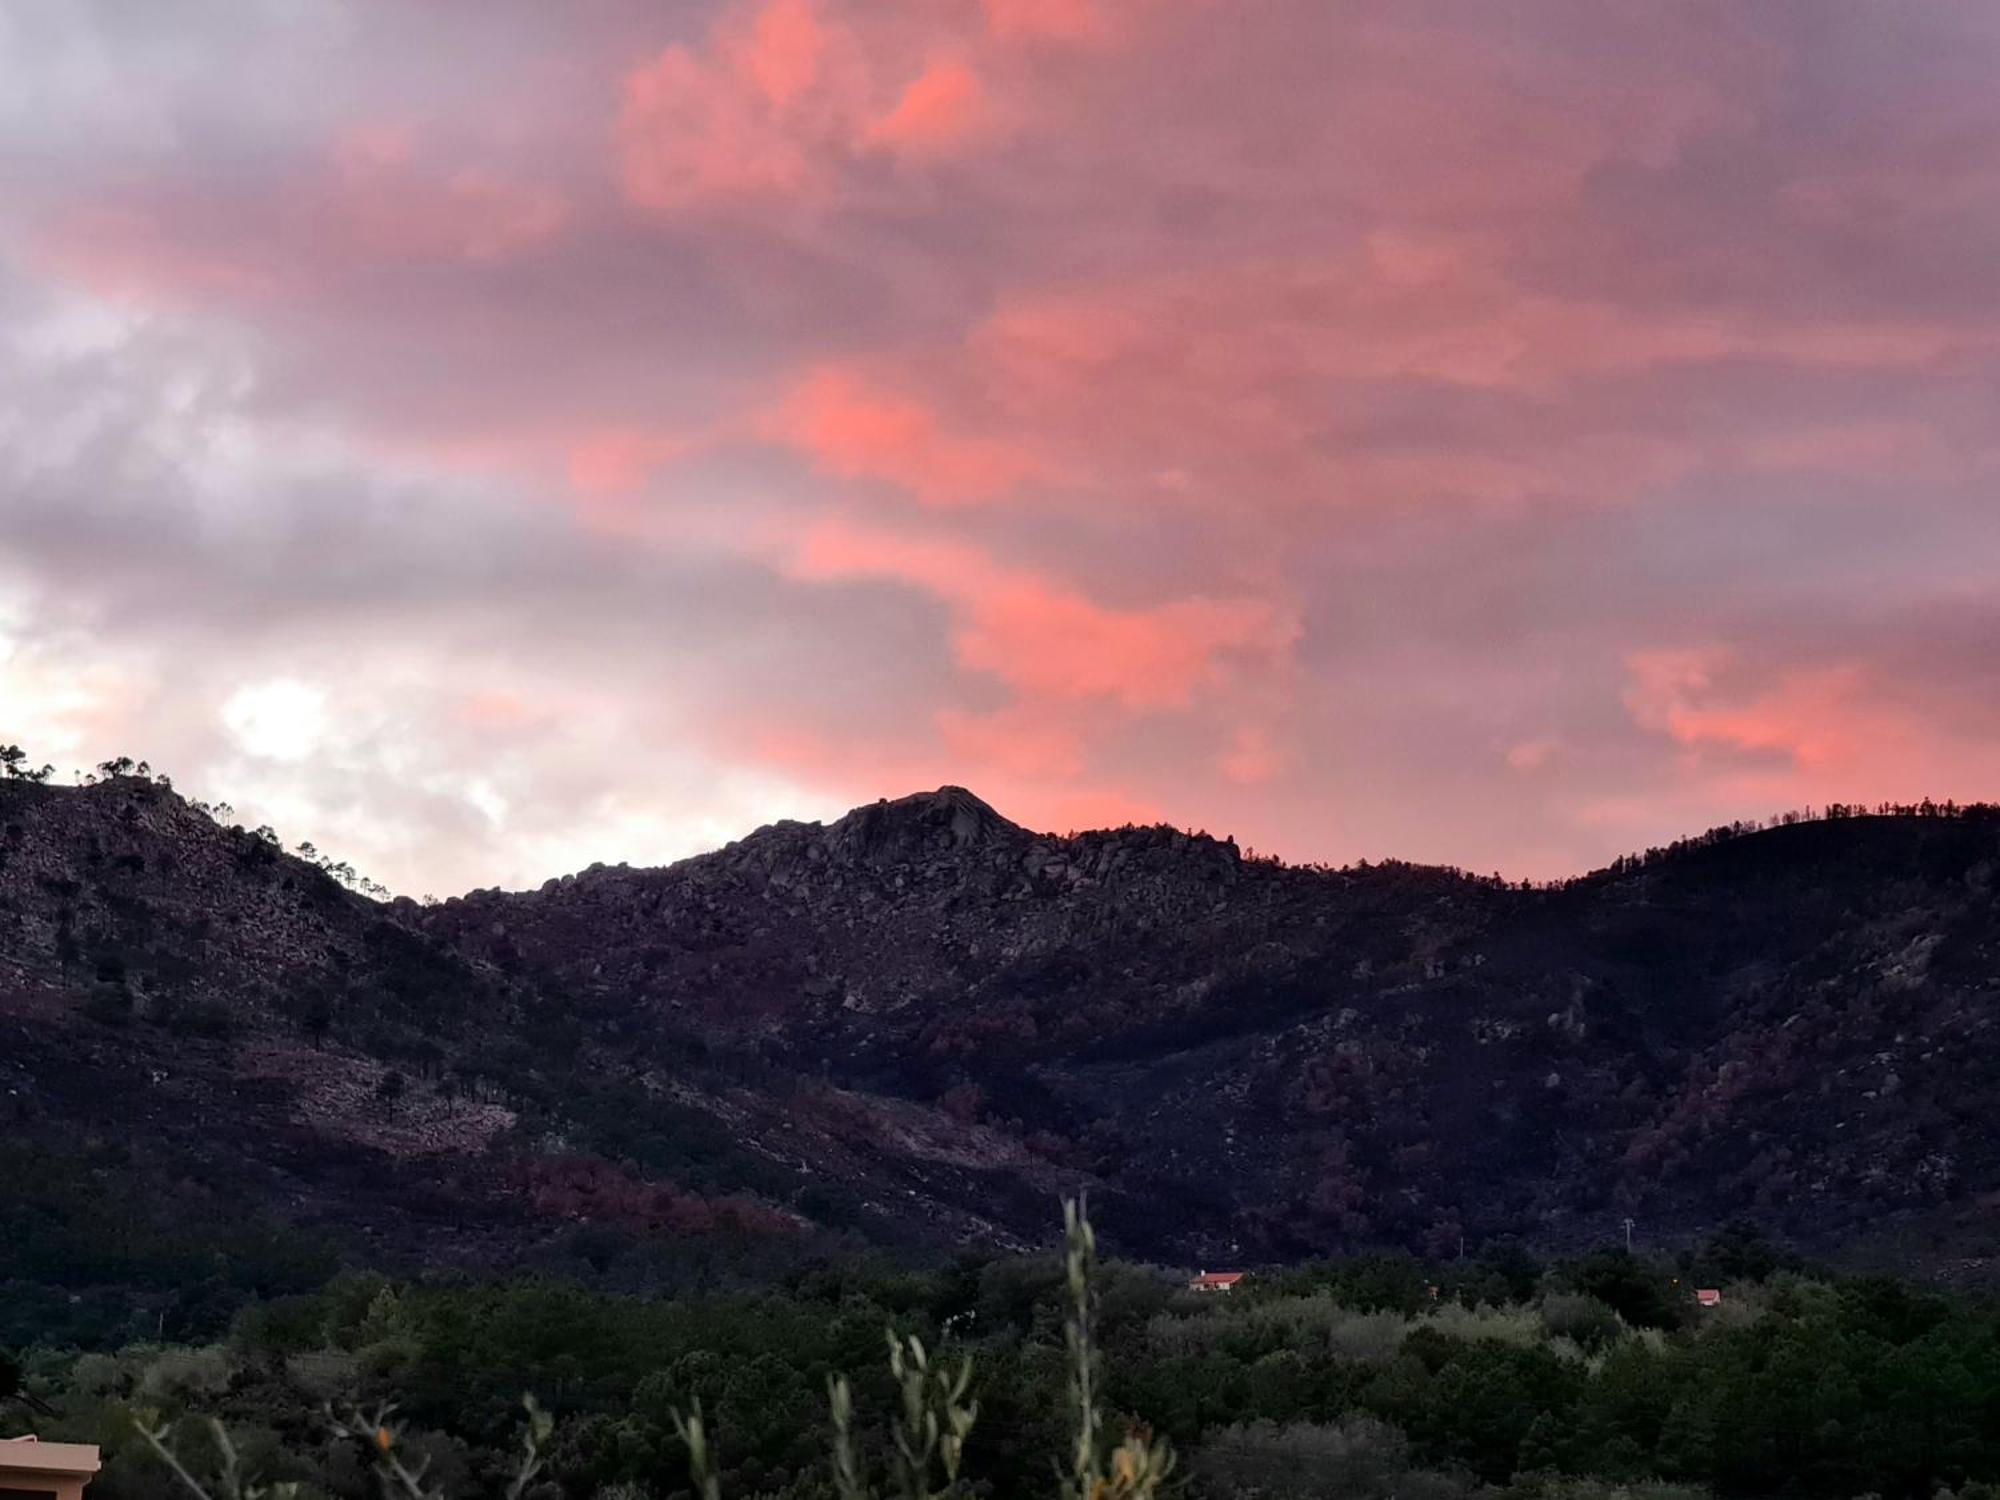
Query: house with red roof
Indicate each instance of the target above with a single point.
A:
(1215, 1281)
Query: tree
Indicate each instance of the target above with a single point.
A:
(1511, 1261)
(1636, 1291)
(14, 766)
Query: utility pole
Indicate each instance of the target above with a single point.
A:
(1628, 1234)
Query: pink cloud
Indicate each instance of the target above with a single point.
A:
(1236, 328)
(1676, 692)
(1088, 807)
(1848, 447)
(1814, 731)
(939, 107)
(1253, 756)
(1226, 377)
(141, 252)
(1072, 21)
(384, 202)
(1048, 641)
(372, 195)
(781, 50)
(787, 98)
(853, 762)
(688, 134)
(1019, 741)
(616, 460)
(856, 428)
(1532, 755)
(501, 711)
(1095, 399)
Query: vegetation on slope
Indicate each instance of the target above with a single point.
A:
(921, 1022)
(1494, 1378)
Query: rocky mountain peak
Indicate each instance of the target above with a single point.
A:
(924, 824)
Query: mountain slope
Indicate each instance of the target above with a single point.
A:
(921, 1022)
(1269, 1060)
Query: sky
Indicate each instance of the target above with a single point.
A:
(483, 437)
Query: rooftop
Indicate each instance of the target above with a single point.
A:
(32, 1455)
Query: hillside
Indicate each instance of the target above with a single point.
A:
(919, 1023)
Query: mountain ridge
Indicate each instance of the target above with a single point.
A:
(919, 1022)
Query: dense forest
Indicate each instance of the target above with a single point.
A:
(1367, 1377)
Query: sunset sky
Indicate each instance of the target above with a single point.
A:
(487, 436)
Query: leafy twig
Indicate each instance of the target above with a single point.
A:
(935, 1419)
(847, 1480)
(1139, 1465)
(694, 1432)
(372, 1430)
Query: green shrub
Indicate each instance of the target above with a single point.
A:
(1585, 1321)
